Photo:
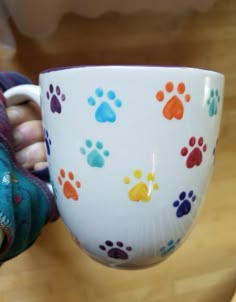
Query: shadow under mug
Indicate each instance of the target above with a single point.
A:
(130, 151)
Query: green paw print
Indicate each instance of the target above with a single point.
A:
(213, 102)
(95, 153)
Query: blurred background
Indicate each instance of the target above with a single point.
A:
(36, 36)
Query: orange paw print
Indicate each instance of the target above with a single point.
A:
(174, 107)
(69, 188)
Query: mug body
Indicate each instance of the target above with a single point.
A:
(130, 150)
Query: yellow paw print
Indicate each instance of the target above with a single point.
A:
(142, 190)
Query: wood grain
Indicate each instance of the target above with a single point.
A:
(204, 268)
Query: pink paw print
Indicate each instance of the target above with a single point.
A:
(195, 152)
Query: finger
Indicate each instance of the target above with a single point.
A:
(41, 165)
(31, 155)
(25, 112)
(27, 133)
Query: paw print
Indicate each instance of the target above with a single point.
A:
(55, 97)
(213, 102)
(70, 186)
(174, 107)
(48, 142)
(105, 105)
(96, 155)
(141, 191)
(169, 247)
(116, 251)
(195, 157)
(183, 204)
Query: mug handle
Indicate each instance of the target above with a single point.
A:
(18, 95)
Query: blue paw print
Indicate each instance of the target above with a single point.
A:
(48, 142)
(183, 204)
(105, 105)
(169, 247)
(213, 102)
(95, 155)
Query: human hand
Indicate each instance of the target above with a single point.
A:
(28, 137)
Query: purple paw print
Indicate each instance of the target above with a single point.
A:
(117, 251)
(55, 97)
(48, 142)
(183, 204)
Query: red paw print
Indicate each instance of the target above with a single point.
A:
(195, 152)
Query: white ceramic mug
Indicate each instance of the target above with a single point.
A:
(130, 152)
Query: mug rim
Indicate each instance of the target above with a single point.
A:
(164, 67)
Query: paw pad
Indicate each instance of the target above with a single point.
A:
(195, 154)
(169, 247)
(142, 190)
(48, 142)
(213, 102)
(55, 97)
(69, 184)
(175, 98)
(105, 105)
(117, 250)
(95, 154)
(183, 204)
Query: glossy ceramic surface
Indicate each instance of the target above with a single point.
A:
(131, 151)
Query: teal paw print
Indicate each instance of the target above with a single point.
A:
(95, 154)
(213, 102)
(106, 104)
(169, 247)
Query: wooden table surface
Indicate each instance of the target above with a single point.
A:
(204, 268)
